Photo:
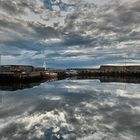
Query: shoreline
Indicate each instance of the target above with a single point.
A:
(28, 73)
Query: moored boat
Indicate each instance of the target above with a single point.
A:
(50, 75)
(70, 72)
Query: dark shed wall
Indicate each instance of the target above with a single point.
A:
(120, 68)
(16, 68)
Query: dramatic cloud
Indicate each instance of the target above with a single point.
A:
(90, 32)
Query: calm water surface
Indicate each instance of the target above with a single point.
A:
(71, 110)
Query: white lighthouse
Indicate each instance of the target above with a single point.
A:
(45, 65)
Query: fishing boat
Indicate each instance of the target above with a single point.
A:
(50, 75)
(70, 72)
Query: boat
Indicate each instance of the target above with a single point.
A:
(70, 72)
(50, 75)
(47, 74)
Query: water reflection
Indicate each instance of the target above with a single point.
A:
(71, 110)
(125, 79)
(23, 85)
(12, 86)
(16, 86)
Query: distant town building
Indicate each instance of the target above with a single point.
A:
(16, 68)
(111, 68)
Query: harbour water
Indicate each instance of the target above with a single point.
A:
(71, 109)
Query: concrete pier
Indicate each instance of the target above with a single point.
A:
(111, 70)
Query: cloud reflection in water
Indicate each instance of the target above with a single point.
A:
(71, 109)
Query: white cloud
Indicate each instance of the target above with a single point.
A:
(97, 30)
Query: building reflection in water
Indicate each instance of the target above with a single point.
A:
(16, 86)
(23, 85)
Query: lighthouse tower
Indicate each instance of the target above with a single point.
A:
(45, 65)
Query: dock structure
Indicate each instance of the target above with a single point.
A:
(16, 68)
(29, 73)
(16, 73)
(127, 70)
(110, 70)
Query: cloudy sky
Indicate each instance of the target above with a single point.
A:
(70, 33)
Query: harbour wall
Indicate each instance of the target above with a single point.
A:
(110, 70)
(29, 73)
(16, 73)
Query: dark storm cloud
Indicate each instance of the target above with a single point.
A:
(11, 7)
(45, 32)
(76, 39)
(136, 6)
(17, 7)
(20, 28)
(119, 18)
